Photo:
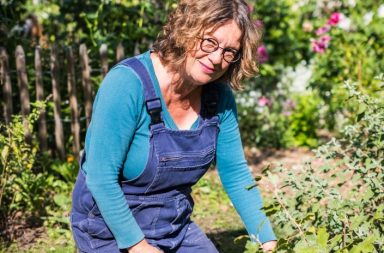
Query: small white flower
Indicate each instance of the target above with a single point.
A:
(345, 23)
(242, 101)
(253, 93)
(380, 11)
(352, 3)
(368, 17)
(300, 77)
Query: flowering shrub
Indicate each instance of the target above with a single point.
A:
(347, 46)
(333, 41)
(279, 121)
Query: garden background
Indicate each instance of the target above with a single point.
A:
(318, 98)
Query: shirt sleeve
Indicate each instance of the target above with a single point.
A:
(115, 115)
(235, 174)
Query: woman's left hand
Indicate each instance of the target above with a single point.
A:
(269, 246)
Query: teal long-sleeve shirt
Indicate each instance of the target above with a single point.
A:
(118, 140)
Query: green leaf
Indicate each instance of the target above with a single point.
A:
(61, 200)
(365, 246)
(4, 154)
(322, 237)
(334, 241)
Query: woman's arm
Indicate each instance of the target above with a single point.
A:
(235, 174)
(108, 137)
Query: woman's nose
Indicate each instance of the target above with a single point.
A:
(216, 57)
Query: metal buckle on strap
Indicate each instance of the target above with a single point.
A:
(154, 110)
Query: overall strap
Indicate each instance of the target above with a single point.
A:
(152, 101)
(210, 100)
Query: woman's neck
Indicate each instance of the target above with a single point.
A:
(173, 87)
(182, 99)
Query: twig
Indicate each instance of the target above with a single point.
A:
(289, 215)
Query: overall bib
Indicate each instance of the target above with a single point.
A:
(160, 197)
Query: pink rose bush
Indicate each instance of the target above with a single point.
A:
(262, 54)
(322, 30)
(334, 19)
(320, 44)
(250, 8)
(259, 24)
(264, 101)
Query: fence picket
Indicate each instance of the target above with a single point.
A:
(59, 134)
(5, 81)
(71, 83)
(22, 81)
(104, 59)
(120, 52)
(86, 81)
(42, 122)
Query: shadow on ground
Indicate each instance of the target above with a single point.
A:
(225, 241)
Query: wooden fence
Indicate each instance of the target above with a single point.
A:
(56, 68)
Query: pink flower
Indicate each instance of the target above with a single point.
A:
(262, 54)
(322, 30)
(289, 104)
(259, 24)
(287, 113)
(334, 19)
(250, 8)
(264, 101)
(319, 46)
(326, 39)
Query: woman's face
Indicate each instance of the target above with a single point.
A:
(202, 67)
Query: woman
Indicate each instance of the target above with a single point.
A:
(159, 121)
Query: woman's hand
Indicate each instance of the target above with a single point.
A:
(143, 246)
(269, 246)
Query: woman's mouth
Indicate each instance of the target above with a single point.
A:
(206, 69)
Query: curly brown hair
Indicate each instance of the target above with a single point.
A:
(189, 21)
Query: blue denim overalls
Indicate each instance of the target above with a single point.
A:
(160, 198)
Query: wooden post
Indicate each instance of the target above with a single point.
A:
(136, 49)
(86, 81)
(5, 81)
(104, 59)
(59, 135)
(42, 122)
(22, 81)
(120, 52)
(71, 83)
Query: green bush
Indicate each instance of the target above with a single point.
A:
(21, 188)
(304, 120)
(336, 203)
(287, 118)
(30, 185)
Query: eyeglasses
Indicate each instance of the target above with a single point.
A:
(210, 45)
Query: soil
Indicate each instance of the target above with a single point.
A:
(25, 232)
(290, 159)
